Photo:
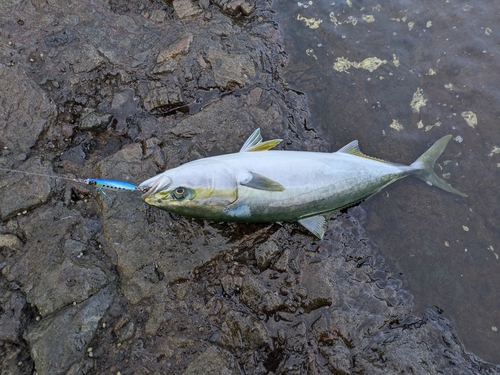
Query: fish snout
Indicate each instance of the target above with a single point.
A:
(154, 185)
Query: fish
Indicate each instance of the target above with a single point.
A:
(258, 184)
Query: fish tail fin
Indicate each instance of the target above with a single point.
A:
(425, 164)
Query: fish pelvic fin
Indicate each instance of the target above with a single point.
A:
(425, 165)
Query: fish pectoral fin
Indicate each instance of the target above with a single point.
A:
(260, 182)
(316, 224)
(254, 143)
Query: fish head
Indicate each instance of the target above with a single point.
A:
(200, 189)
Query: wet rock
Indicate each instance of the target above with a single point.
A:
(316, 280)
(21, 192)
(281, 263)
(234, 7)
(214, 361)
(265, 253)
(321, 330)
(65, 36)
(296, 337)
(338, 357)
(96, 120)
(230, 69)
(85, 59)
(179, 47)
(160, 95)
(231, 284)
(186, 8)
(257, 297)
(60, 342)
(55, 272)
(241, 330)
(10, 241)
(13, 318)
(75, 154)
(29, 109)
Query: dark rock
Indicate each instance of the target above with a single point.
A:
(257, 297)
(59, 342)
(60, 38)
(186, 8)
(241, 330)
(265, 253)
(230, 69)
(281, 263)
(338, 357)
(95, 121)
(214, 361)
(21, 192)
(29, 109)
(316, 280)
(13, 318)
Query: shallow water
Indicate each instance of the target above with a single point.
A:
(397, 76)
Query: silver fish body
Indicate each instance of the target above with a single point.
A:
(256, 185)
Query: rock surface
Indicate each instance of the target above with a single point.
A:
(123, 90)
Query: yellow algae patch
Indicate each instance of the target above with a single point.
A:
(410, 25)
(368, 18)
(349, 3)
(428, 24)
(493, 250)
(465, 228)
(334, 19)
(377, 8)
(312, 23)
(395, 60)
(370, 63)
(418, 100)
(496, 150)
(448, 86)
(431, 72)
(396, 125)
(310, 52)
(487, 31)
(429, 127)
(470, 118)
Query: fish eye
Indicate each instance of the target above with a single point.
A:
(179, 193)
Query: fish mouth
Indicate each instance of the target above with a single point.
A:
(154, 185)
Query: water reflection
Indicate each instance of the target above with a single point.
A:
(397, 76)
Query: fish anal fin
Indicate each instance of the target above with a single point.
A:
(316, 224)
(261, 182)
(264, 146)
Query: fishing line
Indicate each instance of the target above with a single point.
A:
(99, 183)
(42, 174)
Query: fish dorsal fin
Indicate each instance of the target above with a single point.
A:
(264, 146)
(254, 139)
(352, 148)
(315, 224)
(260, 182)
(254, 143)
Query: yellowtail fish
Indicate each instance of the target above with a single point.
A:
(257, 185)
